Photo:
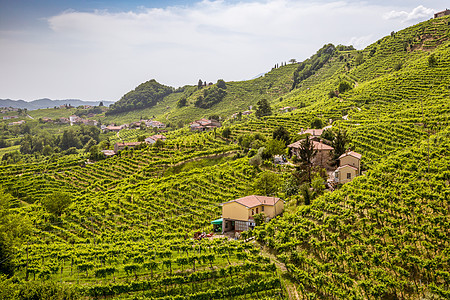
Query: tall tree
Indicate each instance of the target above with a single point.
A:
(263, 108)
(306, 156)
(57, 202)
(267, 184)
(281, 134)
(339, 144)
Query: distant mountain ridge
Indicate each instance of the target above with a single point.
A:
(48, 103)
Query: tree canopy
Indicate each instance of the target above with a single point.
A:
(145, 95)
(281, 134)
(306, 155)
(263, 108)
(57, 202)
(268, 183)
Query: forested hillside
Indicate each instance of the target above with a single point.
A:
(123, 227)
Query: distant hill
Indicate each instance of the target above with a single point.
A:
(48, 103)
(145, 95)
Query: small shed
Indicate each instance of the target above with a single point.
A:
(217, 224)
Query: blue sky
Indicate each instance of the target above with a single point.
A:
(99, 50)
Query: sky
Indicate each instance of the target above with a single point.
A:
(100, 50)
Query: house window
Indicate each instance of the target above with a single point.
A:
(262, 208)
(349, 175)
(256, 210)
(253, 212)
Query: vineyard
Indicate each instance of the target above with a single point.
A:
(386, 235)
(129, 231)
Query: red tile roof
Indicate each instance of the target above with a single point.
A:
(313, 132)
(129, 144)
(254, 200)
(351, 153)
(341, 167)
(317, 145)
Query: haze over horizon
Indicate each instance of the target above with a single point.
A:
(93, 50)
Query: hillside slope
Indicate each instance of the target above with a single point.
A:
(128, 232)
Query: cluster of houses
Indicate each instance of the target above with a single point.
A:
(12, 118)
(77, 120)
(238, 215)
(16, 123)
(5, 110)
(349, 162)
(121, 146)
(148, 123)
(204, 125)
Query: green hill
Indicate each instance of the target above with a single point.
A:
(145, 95)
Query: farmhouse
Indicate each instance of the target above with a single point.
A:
(121, 146)
(10, 117)
(64, 120)
(156, 124)
(108, 153)
(312, 132)
(350, 167)
(152, 139)
(17, 123)
(114, 128)
(323, 156)
(238, 214)
(442, 13)
(204, 124)
(74, 119)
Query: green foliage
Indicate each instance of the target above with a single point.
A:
(267, 184)
(226, 132)
(57, 202)
(344, 86)
(259, 218)
(398, 66)
(263, 108)
(306, 153)
(182, 102)
(280, 133)
(221, 84)
(317, 123)
(274, 147)
(14, 228)
(306, 192)
(310, 66)
(344, 48)
(211, 96)
(256, 160)
(359, 59)
(339, 143)
(432, 61)
(145, 95)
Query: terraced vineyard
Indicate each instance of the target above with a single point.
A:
(385, 235)
(31, 183)
(123, 234)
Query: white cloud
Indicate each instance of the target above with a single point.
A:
(102, 55)
(418, 13)
(361, 41)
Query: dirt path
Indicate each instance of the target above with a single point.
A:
(291, 290)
